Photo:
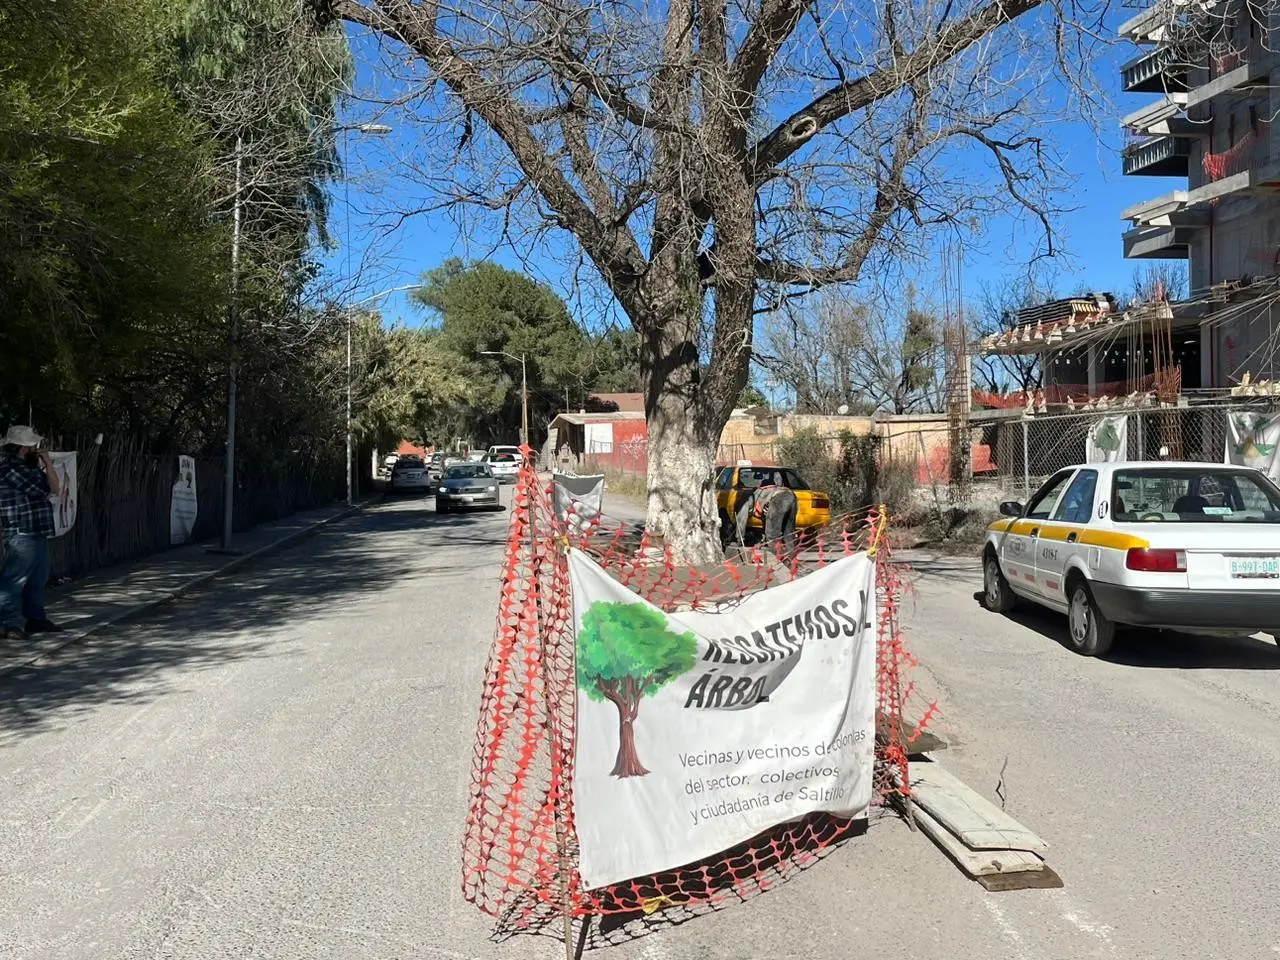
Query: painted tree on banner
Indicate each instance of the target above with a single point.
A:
(624, 653)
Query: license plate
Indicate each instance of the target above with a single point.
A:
(1255, 568)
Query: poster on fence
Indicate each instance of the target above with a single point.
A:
(67, 498)
(697, 730)
(1253, 440)
(183, 504)
(578, 500)
(1107, 441)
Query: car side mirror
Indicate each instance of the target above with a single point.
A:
(1011, 508)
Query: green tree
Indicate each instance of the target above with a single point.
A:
(624, 653)
(482, 307)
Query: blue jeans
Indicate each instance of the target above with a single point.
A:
(23, 552)
(37, 580)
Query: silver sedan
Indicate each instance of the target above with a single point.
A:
(466, 485)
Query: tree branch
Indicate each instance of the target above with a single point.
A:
(614, 249)
(843, 99)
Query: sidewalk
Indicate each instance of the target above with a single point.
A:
(117, 593)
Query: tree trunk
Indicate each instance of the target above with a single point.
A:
(628, 762)
(681, 504)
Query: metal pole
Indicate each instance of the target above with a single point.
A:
(350, 493)
(229, 477)
(524, 403)
(1142, 440)
(1026, 458)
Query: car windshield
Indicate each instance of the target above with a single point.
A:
(1193, 495)
(408, 465)
(751, 477)
(470, 471)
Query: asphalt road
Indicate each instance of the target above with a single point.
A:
(278, 767)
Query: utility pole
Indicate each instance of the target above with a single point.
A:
(351, 498)
(524, 404)
(233, 332)
(524, 389)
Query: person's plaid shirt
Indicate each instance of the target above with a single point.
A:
(24, 498)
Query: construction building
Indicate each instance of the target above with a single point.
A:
(1211, 69)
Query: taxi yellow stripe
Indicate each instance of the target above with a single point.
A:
(1058, 533)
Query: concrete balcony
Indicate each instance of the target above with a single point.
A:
(1158, 157)
(1166, 116)
(1159, 243)
(1148, 26)
(1162, 70)
(1253, 74)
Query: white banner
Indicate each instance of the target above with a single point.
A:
(1108, 441)
(1253, 440)
(698, 730)
(183, 503)
(577, 500)
(67, 497)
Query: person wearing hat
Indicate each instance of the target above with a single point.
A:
(27, 481)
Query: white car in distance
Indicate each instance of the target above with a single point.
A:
(504, 464)
(409, 474)
(1193, 547)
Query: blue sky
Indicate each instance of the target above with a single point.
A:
(1090, 233)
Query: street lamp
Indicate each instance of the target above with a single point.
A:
(351, 498)
(524, 391)
(370, 129)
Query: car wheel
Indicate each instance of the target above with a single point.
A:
(996, 595)
(1089, 633)
(441, 507)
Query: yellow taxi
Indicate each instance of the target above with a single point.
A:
(735, 484)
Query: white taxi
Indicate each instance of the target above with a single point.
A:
(1184, 546)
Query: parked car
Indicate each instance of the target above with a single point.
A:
(1181, 546)
(435, 467)
(735, 484)
(505, 466)
(467, 485)
(476, 456)
(409, 473)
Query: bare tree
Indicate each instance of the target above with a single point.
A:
(839, 352)
(712, 159)
(998, 311)
(1162, 280)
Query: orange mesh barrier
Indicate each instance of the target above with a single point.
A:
(519, 847)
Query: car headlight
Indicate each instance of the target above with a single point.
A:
(492, 487)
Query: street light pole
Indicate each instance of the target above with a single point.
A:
(370, 129)
(524, 390)
(351, 498)
(233, 322)
(524, 404)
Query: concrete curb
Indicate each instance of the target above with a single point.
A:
(199, 580)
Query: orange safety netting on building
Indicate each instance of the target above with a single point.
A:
(519, 849)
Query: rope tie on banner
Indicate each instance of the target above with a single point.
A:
(881, 524)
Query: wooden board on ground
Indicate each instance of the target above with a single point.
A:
(1046, 879)
(977, 822)
(916, 741)
(977, 863)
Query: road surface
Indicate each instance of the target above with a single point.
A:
(278, 767)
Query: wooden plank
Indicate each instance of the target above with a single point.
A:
(976, 863)
(1046, 879)
(974, 820)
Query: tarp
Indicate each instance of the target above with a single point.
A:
(1253, 440)
(577, 500)
(67, 499)
(183, 502)
(697, 730)
(1108, 441)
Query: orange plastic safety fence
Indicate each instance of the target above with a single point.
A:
(519, 851)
